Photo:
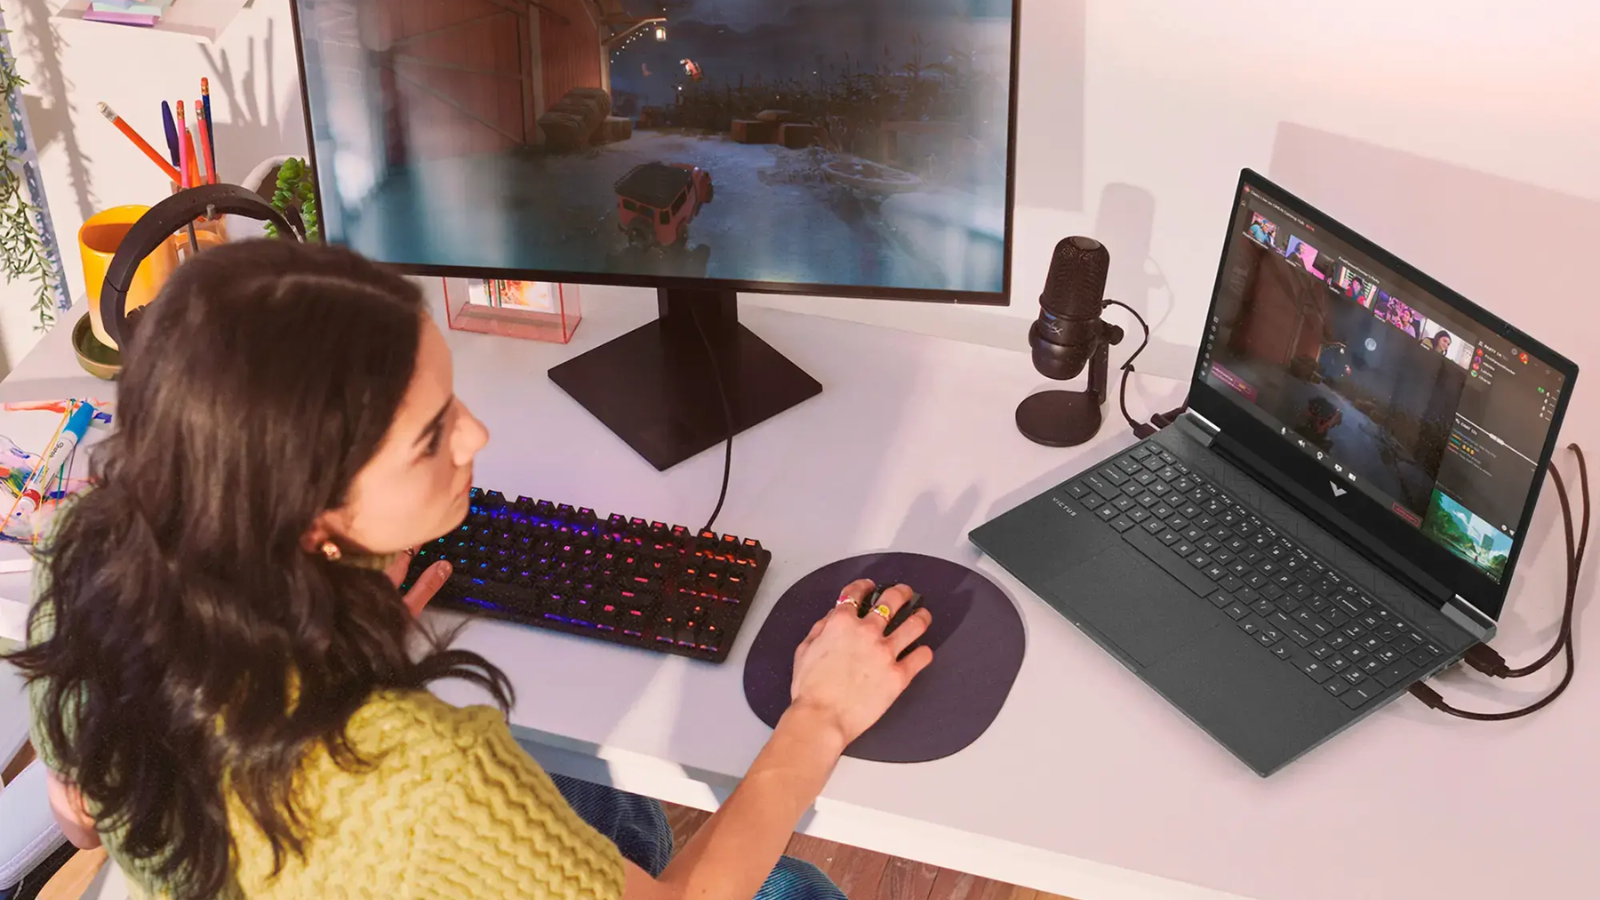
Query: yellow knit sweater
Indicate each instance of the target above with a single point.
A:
(453, 808)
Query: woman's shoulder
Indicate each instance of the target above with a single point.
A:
(394, 717)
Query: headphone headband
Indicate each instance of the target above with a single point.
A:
(166, 219)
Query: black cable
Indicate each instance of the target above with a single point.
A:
(1127, 367)
(727, 415)
(1576, 548)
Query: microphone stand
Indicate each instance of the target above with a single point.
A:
(1070, 418)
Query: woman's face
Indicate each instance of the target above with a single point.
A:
(416, 486)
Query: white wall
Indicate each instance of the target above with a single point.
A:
(89, 166)
(1136, 116)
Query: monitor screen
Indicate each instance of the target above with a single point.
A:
(1398, 392)
(852, 147)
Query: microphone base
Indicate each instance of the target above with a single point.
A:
(1060, 418)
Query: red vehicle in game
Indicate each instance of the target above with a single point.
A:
(657, 201)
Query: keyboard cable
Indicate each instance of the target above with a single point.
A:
(727, 418)
(1488, 661)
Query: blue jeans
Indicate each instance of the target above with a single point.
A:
(638, 826)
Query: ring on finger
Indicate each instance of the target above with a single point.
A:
(847, 600)
(883, 609)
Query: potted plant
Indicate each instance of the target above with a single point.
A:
(287, 183)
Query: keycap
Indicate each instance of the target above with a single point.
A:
(1317, 671)
(1359, 694)
(1394, 674)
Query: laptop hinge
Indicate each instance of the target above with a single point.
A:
(1206, 430)
(1470, 618)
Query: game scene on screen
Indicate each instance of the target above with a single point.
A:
(859, 143)
(1467, 535)
(1350, 385)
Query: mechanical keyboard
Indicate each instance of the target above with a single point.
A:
(1295, 605)
(619, 579)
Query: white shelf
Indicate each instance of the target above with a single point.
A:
(202, 20)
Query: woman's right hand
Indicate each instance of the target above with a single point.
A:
(848, 672)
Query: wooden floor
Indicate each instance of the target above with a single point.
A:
(864, 875)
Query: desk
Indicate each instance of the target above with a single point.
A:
(1087, 784)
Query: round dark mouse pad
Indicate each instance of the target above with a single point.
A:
(976, 637)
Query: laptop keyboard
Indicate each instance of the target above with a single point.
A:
(1295, 606)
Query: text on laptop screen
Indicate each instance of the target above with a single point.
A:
(1397, 393)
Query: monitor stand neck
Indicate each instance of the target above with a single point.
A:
(656, 387)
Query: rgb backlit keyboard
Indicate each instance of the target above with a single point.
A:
(620, 579)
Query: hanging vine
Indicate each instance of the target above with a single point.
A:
(23, 252)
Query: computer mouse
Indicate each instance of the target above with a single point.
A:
(976, 635)
(912, 604)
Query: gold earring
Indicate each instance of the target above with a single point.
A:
(331, 551)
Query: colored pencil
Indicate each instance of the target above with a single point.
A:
(202, 130)
(191, 160)
(172, 131)
(183, 158)
(139, 142)
(211, 128)
(192, 168)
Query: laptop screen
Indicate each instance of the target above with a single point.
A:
(1399, 393)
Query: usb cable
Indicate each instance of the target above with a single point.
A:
(1488, 661)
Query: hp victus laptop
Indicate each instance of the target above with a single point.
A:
(1340, 512)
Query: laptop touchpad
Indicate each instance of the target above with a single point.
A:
(1133, 603)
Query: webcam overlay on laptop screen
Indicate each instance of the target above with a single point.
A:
(1397, 394)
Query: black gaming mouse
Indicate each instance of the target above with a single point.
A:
(912, 604)
(976, 636)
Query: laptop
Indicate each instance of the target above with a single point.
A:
(1338, 514)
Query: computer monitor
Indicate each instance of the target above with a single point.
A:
(1430, 420)
(858, 148)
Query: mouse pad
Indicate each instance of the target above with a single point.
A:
(977, 640)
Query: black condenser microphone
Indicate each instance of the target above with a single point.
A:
(1068, 336)
(1069, 326)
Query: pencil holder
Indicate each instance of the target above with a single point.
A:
(532, 310)
(98, 242)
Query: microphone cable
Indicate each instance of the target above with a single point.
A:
(1141, 430)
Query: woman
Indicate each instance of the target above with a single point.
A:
(219, 662)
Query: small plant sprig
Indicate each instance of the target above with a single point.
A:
(23, 253)
(297, 189)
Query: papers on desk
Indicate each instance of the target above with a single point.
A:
(43, 461)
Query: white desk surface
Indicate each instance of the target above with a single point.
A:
(1087, 784)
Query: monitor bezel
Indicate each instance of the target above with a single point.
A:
(1457, 576)
(862, 292)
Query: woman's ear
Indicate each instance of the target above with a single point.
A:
(322, 532)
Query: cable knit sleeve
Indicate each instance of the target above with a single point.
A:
(495, 826)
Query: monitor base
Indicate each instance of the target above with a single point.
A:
(655, 388)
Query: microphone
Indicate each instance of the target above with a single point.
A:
(1069, 326)
(1069, 335)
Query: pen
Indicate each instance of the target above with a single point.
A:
(139, 142)
(60, 452)
(171, 129)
